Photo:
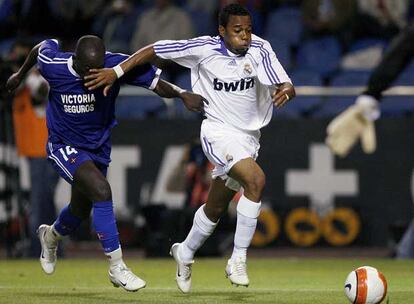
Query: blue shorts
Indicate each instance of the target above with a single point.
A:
(67, 159)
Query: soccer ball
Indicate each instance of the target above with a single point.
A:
(365, 285)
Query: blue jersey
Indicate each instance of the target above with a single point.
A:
(75, 115)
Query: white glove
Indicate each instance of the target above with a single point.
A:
(356, 122)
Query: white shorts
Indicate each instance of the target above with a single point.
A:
(224, 146)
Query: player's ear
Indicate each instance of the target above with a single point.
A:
(222, 30)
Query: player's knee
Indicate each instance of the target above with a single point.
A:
(102, 191)
(255, 183)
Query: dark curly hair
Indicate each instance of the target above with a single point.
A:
(232, 9)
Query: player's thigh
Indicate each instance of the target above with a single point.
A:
(226, 147)
(248, 173)
(82, 167)
(67, 159)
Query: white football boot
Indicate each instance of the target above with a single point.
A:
(121, 276)
(183, 274)
(48, 255)
(236, 272)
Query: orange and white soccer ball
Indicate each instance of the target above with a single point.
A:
(365, 285)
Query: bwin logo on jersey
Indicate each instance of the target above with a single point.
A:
(242, 84)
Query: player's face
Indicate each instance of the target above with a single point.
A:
(237, 34)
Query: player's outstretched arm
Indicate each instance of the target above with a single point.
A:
(283, 93)
(14, 80)
(107, 76)
(193, 102)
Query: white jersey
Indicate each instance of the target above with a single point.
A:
(238, 88)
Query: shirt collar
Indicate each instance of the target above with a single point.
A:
(225, 51)
(70, 67)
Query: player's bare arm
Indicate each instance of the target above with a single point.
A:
(283, 93)
(193, 102)
(107, 76)
(14, 81)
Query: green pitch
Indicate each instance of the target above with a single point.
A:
(272, 281)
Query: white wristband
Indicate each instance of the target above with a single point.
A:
(118, 71)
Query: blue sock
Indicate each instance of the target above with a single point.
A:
(66, 222)
(105, 225)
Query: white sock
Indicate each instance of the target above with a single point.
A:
(202, 228)
(247, 213)
(114, 257)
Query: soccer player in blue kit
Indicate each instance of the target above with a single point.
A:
(79, 122)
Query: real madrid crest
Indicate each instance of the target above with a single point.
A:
(229, 158)
(247, 68)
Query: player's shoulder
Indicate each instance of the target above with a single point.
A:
(197, 43)
(259, 43)
(112, 58)
(49, 43)
(207, 44)
(206, 39)
(49, 52)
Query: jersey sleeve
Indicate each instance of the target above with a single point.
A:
(145, 75)
(47, 53)
(270, 71)
(187, 53)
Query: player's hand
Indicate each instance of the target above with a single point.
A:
(193, 102)
(13, 82)
(283, 94)
(100, 77)
(355, 123)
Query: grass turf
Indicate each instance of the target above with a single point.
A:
(284, 281)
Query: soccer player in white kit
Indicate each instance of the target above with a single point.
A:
(241, 78)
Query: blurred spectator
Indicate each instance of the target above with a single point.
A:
(163, 20)
(29, 116)
(209, 7)
(115, 23)
(74, 18)
(8, 18)
(34, 17)
(198, 173)
(329, 17)
(380, 18)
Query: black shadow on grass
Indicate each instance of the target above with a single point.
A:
(234, 296)
(84, 295)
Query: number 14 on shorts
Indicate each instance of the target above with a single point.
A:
(68, 150)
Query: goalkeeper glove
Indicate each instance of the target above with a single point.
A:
(356, 122)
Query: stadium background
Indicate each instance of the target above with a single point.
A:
(313, 199)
